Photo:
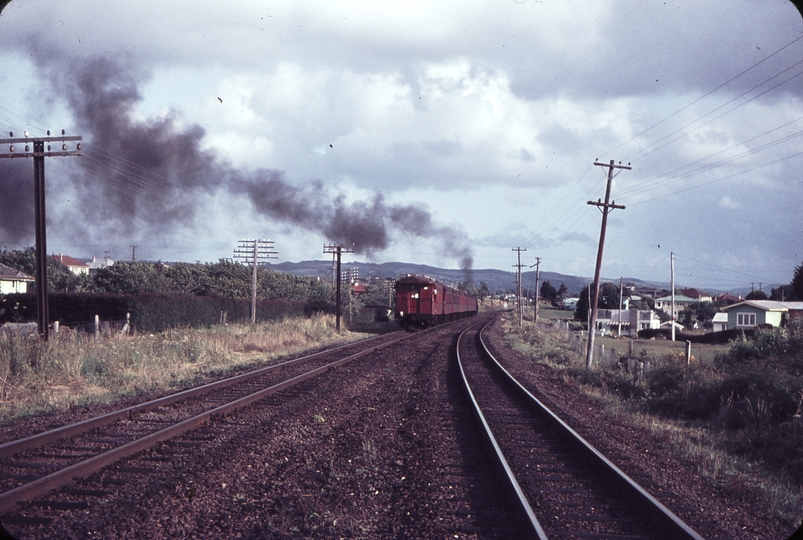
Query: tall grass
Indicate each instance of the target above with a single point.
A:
(736, 412)
(76, 369)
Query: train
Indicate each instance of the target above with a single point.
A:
(422, 302)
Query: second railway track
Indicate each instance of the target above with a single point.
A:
(565, 487)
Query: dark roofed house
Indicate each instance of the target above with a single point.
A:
(698, 295)
(13, 281)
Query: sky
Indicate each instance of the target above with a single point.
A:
(442, 133)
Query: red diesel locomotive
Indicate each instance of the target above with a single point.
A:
(421, 301)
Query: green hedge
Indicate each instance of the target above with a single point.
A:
(149, 312)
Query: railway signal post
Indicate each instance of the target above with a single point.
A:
(39, 153)
(605, 208)
(338, 251)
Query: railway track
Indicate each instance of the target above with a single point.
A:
(33, 466)
(564, 488)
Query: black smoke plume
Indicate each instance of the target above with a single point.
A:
(141, 177)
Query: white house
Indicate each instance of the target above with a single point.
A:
(609, 321)
(13, 281)
(681, 302)
(73, 265)
(96, 264)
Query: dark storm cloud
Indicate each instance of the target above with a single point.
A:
(16, 203)
(142, 177)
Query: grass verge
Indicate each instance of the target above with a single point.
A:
(75, 369)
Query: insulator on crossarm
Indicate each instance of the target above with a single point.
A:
(25, 133)
(63, 132)
(48, 133)
(78, 146)
(11, 148)
(48, 148)
(64, 147)
(27, 148)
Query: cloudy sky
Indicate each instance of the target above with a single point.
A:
(444, 133)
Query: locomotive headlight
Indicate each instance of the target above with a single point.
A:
(401, 314)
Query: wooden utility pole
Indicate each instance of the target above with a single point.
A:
(254, 252)
(337, 250)
(537, 294)
(672, 286)
(39, 154)
(621, 285)
(518, 283)
(605, 208)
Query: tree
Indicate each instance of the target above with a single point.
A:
(563, 290)
(783, 293)
(548, 292)
(756, 295)
(608, 299)
(797, 282)
(701, 313)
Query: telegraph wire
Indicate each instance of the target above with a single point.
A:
(634, 137)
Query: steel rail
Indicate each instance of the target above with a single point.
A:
(34, 441)
(26, 492)
(665, 520)
(527, 516)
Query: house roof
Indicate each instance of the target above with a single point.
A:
(678, 298)
(695, 293)
(12, 274)
(720, 317)
(66, 260)
(768, 305)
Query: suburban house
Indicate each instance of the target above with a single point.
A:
(13, 281)
(73, 265)
(681, 302)
(609, 321)
(751, 313)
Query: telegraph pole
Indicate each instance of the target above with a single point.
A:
(337, 250)
(254, 252)
(39, 154)
(621, 287)
(537, 294)
(518, 282)
(672, 286)
(605, 208)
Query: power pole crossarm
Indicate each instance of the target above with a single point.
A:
(606, 208)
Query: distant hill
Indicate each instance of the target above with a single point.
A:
(496, 280)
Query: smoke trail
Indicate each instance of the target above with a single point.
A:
(144, 176)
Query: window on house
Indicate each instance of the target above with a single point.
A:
(745, 319)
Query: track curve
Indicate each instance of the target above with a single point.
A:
(565, 487)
